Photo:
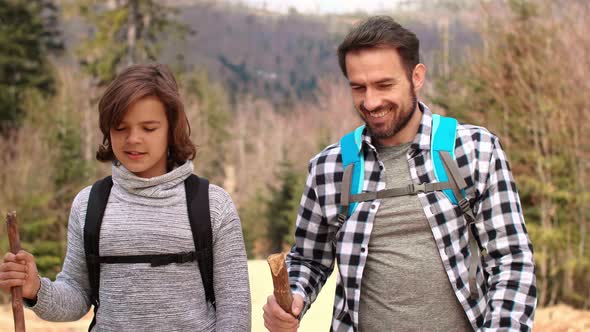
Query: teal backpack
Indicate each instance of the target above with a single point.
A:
(446, 171)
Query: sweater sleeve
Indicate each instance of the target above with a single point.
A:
(230, 265)
(68, 297)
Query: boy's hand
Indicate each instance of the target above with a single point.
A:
(20, 270)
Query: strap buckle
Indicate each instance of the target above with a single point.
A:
(414, 189)
(185, 257)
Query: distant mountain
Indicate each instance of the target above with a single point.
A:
(284, 57)
(281, 57)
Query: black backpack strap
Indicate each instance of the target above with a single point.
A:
(153, 260)
(97, 202)
(197, 201)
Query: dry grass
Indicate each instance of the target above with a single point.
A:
(562, 318)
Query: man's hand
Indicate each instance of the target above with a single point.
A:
(20, 270)
(278, 320)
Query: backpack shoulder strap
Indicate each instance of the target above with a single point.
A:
(445, 169)
(353, 164)
(197, 201)
(443, 139)
(97, 202)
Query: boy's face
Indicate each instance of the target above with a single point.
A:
(140, 141)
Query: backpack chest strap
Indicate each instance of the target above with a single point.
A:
(411, 189)
(153, 260)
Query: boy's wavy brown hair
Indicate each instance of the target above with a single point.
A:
(137, 82)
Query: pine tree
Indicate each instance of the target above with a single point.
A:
(28, 35)
(282, 207)
(125, 32)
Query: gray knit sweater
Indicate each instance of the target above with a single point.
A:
(149, 216)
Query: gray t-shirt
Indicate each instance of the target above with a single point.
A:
(404, 285)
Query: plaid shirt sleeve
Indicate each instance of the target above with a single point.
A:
(508, 263)
(311, 260)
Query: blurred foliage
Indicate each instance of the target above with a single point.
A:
(44, 170)
(282, 206)
(28, 34)
(211, 120)
(124, 33)
(521, 86)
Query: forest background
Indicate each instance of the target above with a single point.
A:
(264, 94)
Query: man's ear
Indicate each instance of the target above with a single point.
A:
(418, 77)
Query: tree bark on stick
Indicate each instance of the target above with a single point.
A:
(17, 292)
(280, 280)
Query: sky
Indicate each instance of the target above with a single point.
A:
(322, 6)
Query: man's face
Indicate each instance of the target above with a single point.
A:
(381, 91)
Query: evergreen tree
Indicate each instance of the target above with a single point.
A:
(254, 225)
(282, 207)
(28, 34)
(125, 32)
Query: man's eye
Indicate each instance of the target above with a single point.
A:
(385, 86)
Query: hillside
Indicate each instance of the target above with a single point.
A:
(278, 57)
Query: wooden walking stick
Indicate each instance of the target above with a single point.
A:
(17, 292)
(280, 281)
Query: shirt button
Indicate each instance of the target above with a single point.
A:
(373, 206)
(363, 249)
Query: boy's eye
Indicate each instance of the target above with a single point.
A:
(149, 129)
(119, 128)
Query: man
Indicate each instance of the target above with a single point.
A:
(403, 262)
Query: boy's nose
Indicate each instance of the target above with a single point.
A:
(134, 137)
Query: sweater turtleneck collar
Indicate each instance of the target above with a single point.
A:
(163, 188)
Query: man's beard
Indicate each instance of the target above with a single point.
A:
(396, 126)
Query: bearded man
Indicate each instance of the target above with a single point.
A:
(404, 261)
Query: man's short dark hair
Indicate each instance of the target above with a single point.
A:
(379, 31)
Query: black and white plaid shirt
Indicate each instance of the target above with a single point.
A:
(506, 287)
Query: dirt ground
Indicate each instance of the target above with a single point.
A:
(554, 319)
(561, 318)
(35, 324)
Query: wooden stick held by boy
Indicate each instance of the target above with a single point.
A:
(17, 292)
(280, 280)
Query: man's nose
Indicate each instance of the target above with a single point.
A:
(372, 100)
